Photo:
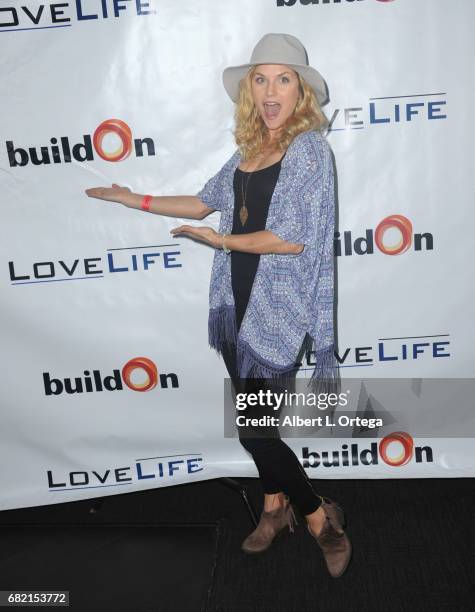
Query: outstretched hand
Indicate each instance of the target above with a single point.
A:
(111, 194)
(203, 234)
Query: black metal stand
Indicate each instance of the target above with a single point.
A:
(228, 482)
(239, 488)
(96, 505)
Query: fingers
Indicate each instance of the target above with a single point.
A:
(198, 233)
(116, 186)
(102, 193)
(183, 228)
(95, 192)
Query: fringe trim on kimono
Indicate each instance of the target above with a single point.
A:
(251, 365)
(325, 377)
(222, 329)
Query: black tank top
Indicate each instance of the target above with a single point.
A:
(258, 196)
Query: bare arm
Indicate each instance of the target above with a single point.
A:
(190, 207)
(260, 243)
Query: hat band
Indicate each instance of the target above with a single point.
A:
(276, 60)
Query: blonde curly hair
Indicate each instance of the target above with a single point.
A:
(251, 132)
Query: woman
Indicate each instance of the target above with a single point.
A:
(271, 290)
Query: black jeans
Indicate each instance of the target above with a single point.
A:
(278, 466)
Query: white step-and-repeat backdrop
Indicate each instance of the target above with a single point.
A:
(108, 382)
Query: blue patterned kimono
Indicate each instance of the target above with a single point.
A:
(291, 302)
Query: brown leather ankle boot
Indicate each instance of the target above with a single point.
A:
(270, 524)
(332, 539)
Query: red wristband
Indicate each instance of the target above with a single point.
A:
(145, 204)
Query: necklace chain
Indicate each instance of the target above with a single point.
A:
(243, 211)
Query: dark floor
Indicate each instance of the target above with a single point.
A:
(178, 549)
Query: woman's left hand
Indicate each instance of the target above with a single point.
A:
(203, 234)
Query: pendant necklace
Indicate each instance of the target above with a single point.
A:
(243, 212)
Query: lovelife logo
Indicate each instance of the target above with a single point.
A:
(112, 141)
(167, 468)
(138, 374)
(34, 16)
(393, 236)
(118, 260)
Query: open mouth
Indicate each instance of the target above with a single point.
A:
(271, 109)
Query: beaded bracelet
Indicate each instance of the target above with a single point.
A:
(225, 249)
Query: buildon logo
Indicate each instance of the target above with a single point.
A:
(396, 449)
(138, 374)
(392, 236)
(112, 141)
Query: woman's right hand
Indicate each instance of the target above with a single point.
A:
(116, 193)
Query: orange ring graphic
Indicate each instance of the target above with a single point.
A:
(407, 452)
(116, 126)
(399, 222)
(140, 363)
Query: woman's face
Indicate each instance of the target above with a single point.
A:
(275, 90)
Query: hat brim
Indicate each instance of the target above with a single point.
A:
(233, 75)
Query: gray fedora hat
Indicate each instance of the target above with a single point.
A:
(277, 49)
